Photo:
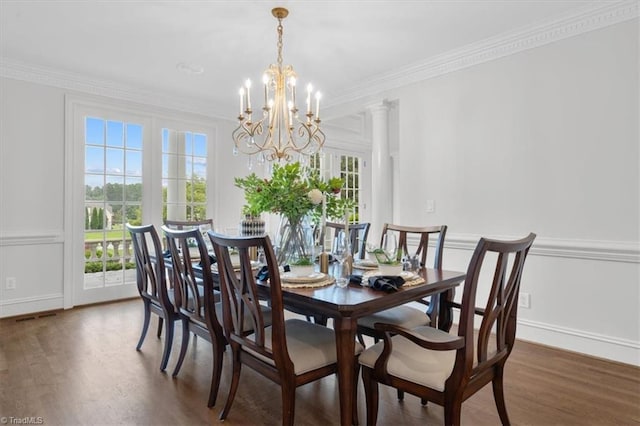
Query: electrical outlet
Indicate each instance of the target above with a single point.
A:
(431, 206)
(524, 300)
(10, 283)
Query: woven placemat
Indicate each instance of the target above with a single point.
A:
(327, 281)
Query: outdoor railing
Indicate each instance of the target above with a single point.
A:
(114, 250)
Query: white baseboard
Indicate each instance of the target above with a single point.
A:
(607, 347)
(29, 305)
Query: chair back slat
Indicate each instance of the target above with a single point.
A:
(423, 233)
(195, 296)
(241, 297)
(496, 333)
(150, 267)
(358, 233)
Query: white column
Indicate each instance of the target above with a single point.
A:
(177, 188)
(381, 171)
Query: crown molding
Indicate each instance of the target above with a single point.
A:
(17, 70)
(492, 48)
(474, 54)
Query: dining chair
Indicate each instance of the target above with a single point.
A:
(289, 352)
(448, 368)
(152, 285)
(358, 233)
(407, 316)
(197, 301)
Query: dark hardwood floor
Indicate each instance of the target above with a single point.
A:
(80, 367)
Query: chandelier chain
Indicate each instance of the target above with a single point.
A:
(279, 43)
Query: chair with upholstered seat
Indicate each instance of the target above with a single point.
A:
(445, 368)
(358, 233)
(407, 316)
(196, 298)
(152, 285)
(290, 352)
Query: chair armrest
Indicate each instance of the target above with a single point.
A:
(477, 311)
(389, 329)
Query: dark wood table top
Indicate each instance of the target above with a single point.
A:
(357, 301)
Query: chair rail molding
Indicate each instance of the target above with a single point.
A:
(31, 238)
(612, 251)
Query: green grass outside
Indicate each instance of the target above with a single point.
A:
(114, 234)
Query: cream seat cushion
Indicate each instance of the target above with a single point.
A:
(247, 324)
(310, 346)
(404, 316)
(411, 362)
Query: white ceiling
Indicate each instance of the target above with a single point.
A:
(334, 44)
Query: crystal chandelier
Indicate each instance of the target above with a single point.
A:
(279, 131)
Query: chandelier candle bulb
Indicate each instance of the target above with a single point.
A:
(248, 86)
(318, 96)
(265, 80)
(241, 92)
(292, 83)
(309, 90)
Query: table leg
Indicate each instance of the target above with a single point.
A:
(345, 329)
(445, 316)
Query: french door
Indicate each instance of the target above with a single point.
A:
(107, 171)
(117, 174)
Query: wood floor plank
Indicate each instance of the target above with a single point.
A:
(80, 367)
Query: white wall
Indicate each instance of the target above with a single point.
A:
(545, 140)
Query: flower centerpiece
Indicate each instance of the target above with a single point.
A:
(296, 193)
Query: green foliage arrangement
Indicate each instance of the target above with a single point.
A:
(293, 191)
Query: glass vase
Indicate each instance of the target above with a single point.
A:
(295, 242)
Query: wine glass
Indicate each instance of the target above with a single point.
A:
(340, 253)
(390, 247)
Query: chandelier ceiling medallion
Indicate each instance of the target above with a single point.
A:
(279, 131)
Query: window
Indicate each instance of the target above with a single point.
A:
(184, 175)
(113, 197)
(348, 167)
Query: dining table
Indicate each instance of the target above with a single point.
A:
(345, 305)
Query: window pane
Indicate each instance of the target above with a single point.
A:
(134, 136)
(200, 168)
(94, 131)
(134, 163)
(115, 133)
(165, 140)
(188, 146)
(93, 187)
(133, 214)
(115, 161)
(133, 189)
(114, 188)
(94, 159)
(200, 145)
